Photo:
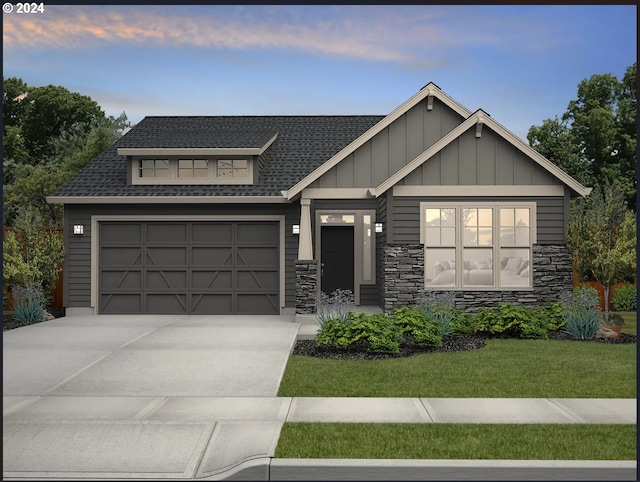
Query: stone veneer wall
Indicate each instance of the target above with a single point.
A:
(306, 286)
(404, 279)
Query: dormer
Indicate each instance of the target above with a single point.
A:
(236, 163)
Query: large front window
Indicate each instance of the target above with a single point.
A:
(477, 246)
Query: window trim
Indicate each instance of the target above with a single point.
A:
(496, 248)
(174, 179)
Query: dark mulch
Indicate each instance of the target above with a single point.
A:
(11, 322)
(449, 344)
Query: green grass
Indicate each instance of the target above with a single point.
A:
(630, 321)
(504, 368)
(457, 441)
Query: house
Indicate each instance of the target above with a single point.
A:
(257, 214)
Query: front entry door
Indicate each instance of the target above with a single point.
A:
(337, 258)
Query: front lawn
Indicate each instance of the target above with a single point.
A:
(505, 368)
(457, 441)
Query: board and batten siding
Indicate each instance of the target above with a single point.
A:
(77, 267)
(488, 160)
(392, 148)
(550, 219)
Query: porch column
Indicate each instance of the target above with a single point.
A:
(305, 246)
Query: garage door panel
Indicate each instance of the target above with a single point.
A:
(162, 233)
(189, 267)
(121, 233)
(212, 233)
(257, 233)
(251, 280)
(211, 304)
(158, 303)
(166, 256)
(157, 280)
(258, 256)
(212, 256)
(254, 304)
(119, 279)
(121, 303)
(120, 256)
(212, 280)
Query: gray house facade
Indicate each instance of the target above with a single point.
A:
(259, 214)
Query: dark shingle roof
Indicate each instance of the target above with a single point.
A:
(303, 144)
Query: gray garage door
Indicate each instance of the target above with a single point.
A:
(189, 267)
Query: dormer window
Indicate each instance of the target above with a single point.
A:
(232, 169)
(154, 168)
(193, 168)
(236, 163)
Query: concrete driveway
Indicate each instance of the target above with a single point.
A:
(141, 396)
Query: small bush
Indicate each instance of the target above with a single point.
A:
(625, 298)
(555, 313)
(586, 297)
(511, 320)
(582, 324)
(371, 333)
(417, 328)
(28, 303)
(582, 315)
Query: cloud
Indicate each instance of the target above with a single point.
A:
(372, 33)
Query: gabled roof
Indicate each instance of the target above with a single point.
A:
(301, 145)
(468, 120)
(428, 92)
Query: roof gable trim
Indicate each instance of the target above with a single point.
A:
(428, 91)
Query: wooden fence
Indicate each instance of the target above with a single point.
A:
(57, 303)
(600, 288)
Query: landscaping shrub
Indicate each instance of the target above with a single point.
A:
(28, 303)
(555, 313)
(582, 317)
(372, 333)
(511, 320)
(586, 297)
(625, 298)
(417, 327)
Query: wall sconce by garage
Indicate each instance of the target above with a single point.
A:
(378, 227)
(78, 229)
(296, 229)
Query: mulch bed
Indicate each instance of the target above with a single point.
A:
(449, 344)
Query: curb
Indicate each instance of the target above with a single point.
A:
(397, 469)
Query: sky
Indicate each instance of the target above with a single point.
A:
(521, 63)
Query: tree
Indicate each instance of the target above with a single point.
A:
(34, 116)
(32, 254)
(595, 139)
(71, 151)
(602, 237)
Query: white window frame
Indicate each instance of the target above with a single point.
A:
(212, 179)
(496, 248)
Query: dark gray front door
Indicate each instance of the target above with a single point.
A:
(189, 267)
(336, 258)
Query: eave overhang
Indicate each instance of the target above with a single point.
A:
(167, 199)
(196, 151)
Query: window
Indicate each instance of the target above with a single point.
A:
(201, 170)
(154, 168)
(193, 168)
(232, 168)
(478, 246)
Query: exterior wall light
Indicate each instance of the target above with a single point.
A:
(296, 229)
(378, 227)
(78, 229)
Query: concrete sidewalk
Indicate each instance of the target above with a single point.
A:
(173, 397)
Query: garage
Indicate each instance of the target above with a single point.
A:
(200, 267)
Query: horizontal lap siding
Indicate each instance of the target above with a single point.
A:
(77, 271)
(550, 217)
